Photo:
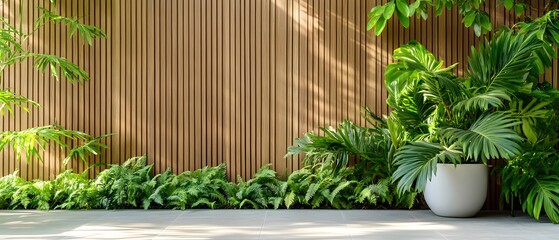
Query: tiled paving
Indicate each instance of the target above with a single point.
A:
(267, 224)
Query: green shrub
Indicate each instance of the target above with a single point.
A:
(204, 188)
(125, 186)
(264, 190)
(74, 191)
(8, 186)
(132, 185)
(33, 195)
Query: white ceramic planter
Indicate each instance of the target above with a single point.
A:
(457, 191)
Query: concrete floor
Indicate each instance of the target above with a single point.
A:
(267, 224)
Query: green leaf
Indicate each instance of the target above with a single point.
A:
(508, 4)
(29, 141)
(519, 9)
(290, 199)
(404, 20)
(490, 137)
(417, 162)
(469, 18)
(485, 22)
(483, 101)
(503, 63)
(93, 146)
(70, 71)
(9, 100)
(86, 32)
(379, 27)
(477, 29)
(543, 193)
(414, 6)
(389, 10)
(403, 8)
(374, 16)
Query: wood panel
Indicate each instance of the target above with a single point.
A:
(203, 82)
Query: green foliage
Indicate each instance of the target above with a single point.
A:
(55, 64)
(13, 50)
(30, 141)
(264, 190)
(533, 177)
(92, 146)
(9, 184)
(8, 100)
(467, 115)
(203, 188)
(74, 191)
(503, 63)
(125, 186)
(320, 186)
(131, 185)
(489, 137)
(338, 145)
(87, 32)
(417, 162)
(472, 11)
(500, 110)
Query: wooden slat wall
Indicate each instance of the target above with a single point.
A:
(203, 82)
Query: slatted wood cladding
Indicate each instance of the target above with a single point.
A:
(203, 82)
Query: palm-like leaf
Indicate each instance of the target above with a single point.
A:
(413, 111)
(417, 162)
(8, 100)
(503, 63)
(483, 101)
(542, 194)
(87, 32)
(55, 64)
(92, 146)
(336, 146)
(489, 137)
(414, 63)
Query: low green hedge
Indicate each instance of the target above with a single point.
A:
(132, 185)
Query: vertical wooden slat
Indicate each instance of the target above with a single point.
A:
(258, 80)
(237, 112)
(265, 79)
(227, 76)
(197, 85)
(280, 75)
(274, 146)
(180, 91)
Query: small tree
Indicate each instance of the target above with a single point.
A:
(13, 51)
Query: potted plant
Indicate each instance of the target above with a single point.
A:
(450, 120)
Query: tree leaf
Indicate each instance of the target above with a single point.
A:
(403, 8)
(389, 10)
(508, 4)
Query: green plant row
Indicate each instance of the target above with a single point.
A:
(132, 185)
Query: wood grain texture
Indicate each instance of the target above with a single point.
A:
(203, 82)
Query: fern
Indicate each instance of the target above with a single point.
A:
(264, 190)
(126, 186)
(73, 191)
(9, 184)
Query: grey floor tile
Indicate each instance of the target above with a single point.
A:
(268, 224)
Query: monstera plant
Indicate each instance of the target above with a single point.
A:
(500, 110)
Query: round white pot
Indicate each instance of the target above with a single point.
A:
(457, 191)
